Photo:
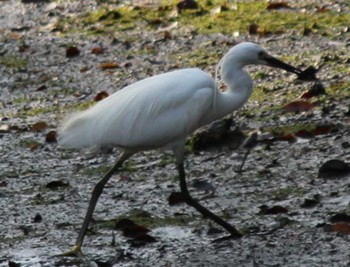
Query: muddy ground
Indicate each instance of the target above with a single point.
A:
(44, 189)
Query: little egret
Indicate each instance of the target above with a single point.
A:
(159, 113)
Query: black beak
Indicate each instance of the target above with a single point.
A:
(274, 62)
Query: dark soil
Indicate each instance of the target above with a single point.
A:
(289, 214)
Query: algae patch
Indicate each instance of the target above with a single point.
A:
(212, 17)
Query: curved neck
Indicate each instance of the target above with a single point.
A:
(239, 88)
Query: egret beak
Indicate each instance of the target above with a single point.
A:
(274, 62)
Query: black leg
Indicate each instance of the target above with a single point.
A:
(205, 212)
(240, 169)
(96, 192)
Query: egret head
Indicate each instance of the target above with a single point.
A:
(247, 53)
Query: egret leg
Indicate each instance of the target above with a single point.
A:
(96, 192)
(204, 211)
(240, 169)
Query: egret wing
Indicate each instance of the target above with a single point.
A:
(148, 114)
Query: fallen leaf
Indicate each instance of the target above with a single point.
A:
(175, 198)
(285, 137)
(166, 35)
(186, 4)
(38, 218)
(343, 228)
(23, 47)
(334, 169)
(265, 210)
(41, 88)
(97, 50)
(304, 134)
(277, 5)
(155, 22)
(39, 126)
(322, 9)
(298, 106)
(309, 203)
(138, 233)
(101, 95)
(340, 217)
(109, 65)
(142, 240)
(213, 230)
(54, 185)
(202, 185)
(72, 51)
(13, 264)
(34, 146)
(135, 231)
(322, 129)
(84, 69)
(51, 137)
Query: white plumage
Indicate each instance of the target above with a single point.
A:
(160, 112)
(145, 115)
(163, 109)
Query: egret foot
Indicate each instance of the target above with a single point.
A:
(74, 252)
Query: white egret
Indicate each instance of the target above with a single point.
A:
(159, 113)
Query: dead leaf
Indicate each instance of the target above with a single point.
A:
(202, 185)
(175, 198)
(343, 228)
(101, 95)
(38, 218)
(340, 217)
(97, 50)
(304, 134)
(23, 47)
(277, 5)
(166, 35)
(285, 137)
(322, 9)
(41, 88)
(72, 51)
(109, 65)
(265, 210)
(322, 129)
(155, 22)
(51, 137)
(186, 4)
(309, 203)
(54, 185)
(334, 169)
(138, 233)
(39, 126)
(84, 69)
(34, 146)
(142, 240)
(298, 106)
